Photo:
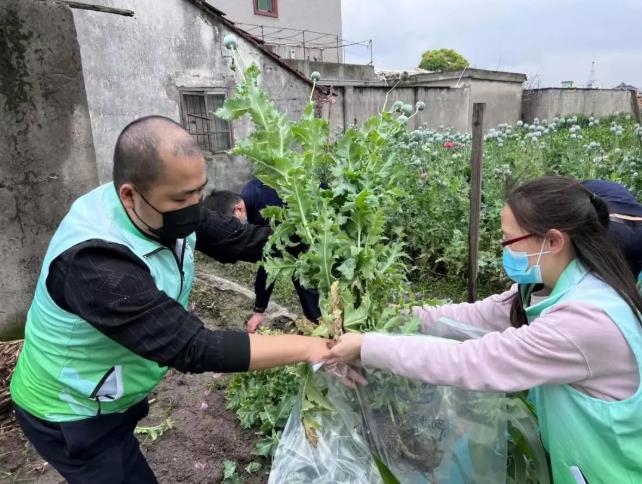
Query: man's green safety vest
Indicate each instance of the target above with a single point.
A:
(68, 370)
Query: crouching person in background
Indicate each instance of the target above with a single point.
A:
(247, 207)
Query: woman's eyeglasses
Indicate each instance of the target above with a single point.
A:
(516, 239)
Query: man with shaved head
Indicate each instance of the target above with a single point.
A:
(110, 311)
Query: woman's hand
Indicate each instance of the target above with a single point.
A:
(347, 349)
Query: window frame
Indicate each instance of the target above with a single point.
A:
(265, 13)
(205, 93)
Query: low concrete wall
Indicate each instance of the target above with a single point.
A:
(332, 71)
(444, 107)
(47, 158)
(551, 102)
(503, 102)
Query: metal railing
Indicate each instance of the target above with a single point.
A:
(312, 44)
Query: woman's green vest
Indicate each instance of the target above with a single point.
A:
(601, 439)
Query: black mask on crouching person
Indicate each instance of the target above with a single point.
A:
(177, 224)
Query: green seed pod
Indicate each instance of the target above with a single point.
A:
(230, 42)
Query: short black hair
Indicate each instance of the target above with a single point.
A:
(222, 201)
(136, 157)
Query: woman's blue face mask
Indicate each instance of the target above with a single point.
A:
(516, 266)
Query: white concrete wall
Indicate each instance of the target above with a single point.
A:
(135, 66)
(503, 101)
(447, 108)
(46, 150)
(548, 103)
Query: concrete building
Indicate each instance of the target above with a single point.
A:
(501, 91)
(73, 78)
(294, 29)
(169, 59)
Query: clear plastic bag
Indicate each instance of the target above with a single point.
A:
(423, 433)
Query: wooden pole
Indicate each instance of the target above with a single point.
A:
(475, 197)
(100, 8)
(635, 106)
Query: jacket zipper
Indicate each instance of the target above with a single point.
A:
(100, 384)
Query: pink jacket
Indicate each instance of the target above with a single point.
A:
(573, 343)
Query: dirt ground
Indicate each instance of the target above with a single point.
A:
(203, 434)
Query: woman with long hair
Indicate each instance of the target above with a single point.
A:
(579, 349)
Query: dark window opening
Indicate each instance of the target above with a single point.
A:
(266, 7)
(212, 133)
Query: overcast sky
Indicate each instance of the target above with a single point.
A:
(549, 40)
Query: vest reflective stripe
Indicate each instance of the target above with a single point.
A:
(602, 438)
(68, 370)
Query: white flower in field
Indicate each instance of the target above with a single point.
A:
(402, 119)
(230, 42)
(420, 105)
(617, 151)
(573, 136)
(536, 121)
(537, 134)
(315, 76)
(520, 123)
(396, 106)
(556, 120)
(546, 131)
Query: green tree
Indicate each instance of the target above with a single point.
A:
(442, 60)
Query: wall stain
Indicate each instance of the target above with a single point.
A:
(14, 84)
